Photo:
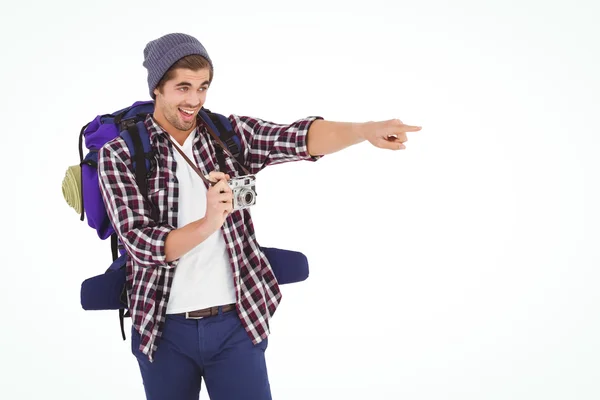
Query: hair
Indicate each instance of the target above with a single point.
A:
(194, 62)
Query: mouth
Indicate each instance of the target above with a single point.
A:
(187, 114)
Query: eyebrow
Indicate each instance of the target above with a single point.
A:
(180, 84)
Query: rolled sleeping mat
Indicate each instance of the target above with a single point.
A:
(71, 187)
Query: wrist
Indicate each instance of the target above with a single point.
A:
(361, 129)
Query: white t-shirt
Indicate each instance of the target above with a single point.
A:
(203, 277)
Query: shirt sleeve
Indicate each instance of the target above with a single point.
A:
(267, 143)
(128, 211)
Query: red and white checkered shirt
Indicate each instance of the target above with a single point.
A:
(149, 276)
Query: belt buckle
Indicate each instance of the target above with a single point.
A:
(187, 316)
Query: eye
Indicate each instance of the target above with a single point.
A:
(183, 88)
(203, 89)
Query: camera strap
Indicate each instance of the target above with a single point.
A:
(186, 158)
(223, 146)
(193, 165)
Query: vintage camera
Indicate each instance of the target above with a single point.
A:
(244, 191)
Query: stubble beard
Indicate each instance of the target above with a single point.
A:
(173, 117)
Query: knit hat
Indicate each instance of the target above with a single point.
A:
(160, 54)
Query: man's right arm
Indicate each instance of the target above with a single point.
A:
(219, 204)
(180, 241)
(149, 243)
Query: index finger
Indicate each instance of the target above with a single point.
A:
(214, 177)
(222, 186)
(409, 128)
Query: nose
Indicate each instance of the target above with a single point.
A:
(194, 99)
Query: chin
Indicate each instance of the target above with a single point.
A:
(184, 126)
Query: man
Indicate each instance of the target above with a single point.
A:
(201, 291)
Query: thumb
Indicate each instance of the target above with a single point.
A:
(389, 144)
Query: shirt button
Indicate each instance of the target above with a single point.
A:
(173, 208)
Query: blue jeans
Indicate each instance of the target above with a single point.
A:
(216, 348)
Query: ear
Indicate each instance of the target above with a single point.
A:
(156, 92)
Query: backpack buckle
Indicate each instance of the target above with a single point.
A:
(126, 123)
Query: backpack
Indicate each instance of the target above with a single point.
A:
(108, 291)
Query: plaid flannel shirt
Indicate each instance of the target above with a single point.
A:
(149, 275)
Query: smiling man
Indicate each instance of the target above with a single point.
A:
(201, 291)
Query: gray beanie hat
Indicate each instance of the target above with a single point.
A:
(160, 54)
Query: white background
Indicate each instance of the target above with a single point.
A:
(464, 267)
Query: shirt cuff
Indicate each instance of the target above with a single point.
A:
(301, 139)
(160, 257)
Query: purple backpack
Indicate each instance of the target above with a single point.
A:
(96, 133)
(108, 291)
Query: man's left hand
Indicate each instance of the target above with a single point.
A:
(389, 134)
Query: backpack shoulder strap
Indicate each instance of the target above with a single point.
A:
(136, 137)
(138, 141)
(222, 127)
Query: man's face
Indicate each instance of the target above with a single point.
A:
(178, 102)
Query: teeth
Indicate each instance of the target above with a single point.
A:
(187, 112)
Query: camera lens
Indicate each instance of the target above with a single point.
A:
(246, 197)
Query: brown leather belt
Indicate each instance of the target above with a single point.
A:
(207, 312)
